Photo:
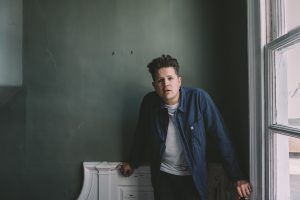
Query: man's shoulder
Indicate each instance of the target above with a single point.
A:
(151, 97)
(188, 91)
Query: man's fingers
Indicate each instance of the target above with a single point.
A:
(243, 189)
(250, 187)
(248, 190)
(125, 169)
(239, 191)
(127, 172)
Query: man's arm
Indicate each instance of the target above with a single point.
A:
(215, 126)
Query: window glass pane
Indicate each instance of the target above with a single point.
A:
(292, 14)
(288, 87)
(287, 167)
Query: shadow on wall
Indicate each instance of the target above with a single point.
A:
(132, 98)
(12, 142)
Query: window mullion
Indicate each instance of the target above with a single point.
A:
(277, 21)
(285, 130)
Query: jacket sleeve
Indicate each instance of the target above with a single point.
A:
(215, 126)
(139, 145)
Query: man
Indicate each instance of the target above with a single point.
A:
(173, 124)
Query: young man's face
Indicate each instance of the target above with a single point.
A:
(167, 84)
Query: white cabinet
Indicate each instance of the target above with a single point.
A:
(102, 181)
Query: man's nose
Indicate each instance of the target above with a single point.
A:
(166, 82)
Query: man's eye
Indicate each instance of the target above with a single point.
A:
(170, 78)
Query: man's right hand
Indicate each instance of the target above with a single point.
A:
(125, 169)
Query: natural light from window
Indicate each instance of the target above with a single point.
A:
(293, 68)
(287, 169)
(287, 113)
(292, 14)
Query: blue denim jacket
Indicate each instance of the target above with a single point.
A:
(197, 117)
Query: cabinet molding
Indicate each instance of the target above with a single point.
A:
(102, 181)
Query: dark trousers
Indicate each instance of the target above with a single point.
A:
(172, 187)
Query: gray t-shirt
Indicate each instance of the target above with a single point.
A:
(173, 160)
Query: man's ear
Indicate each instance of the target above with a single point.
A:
(180, 80)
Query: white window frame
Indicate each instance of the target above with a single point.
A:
(256, 41)
(263, 41)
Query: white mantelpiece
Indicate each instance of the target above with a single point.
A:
(102, 181)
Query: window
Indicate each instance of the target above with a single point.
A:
(274, 79)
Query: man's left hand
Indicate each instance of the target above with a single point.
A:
(243, 189)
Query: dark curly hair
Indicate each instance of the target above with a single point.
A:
(162, 61)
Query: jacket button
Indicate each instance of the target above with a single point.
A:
(192, 128)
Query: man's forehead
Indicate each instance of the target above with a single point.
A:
(165, 75)
(167, 70)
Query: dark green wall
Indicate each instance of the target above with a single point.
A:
(12, 100)
(85, 74)
(12, 143)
